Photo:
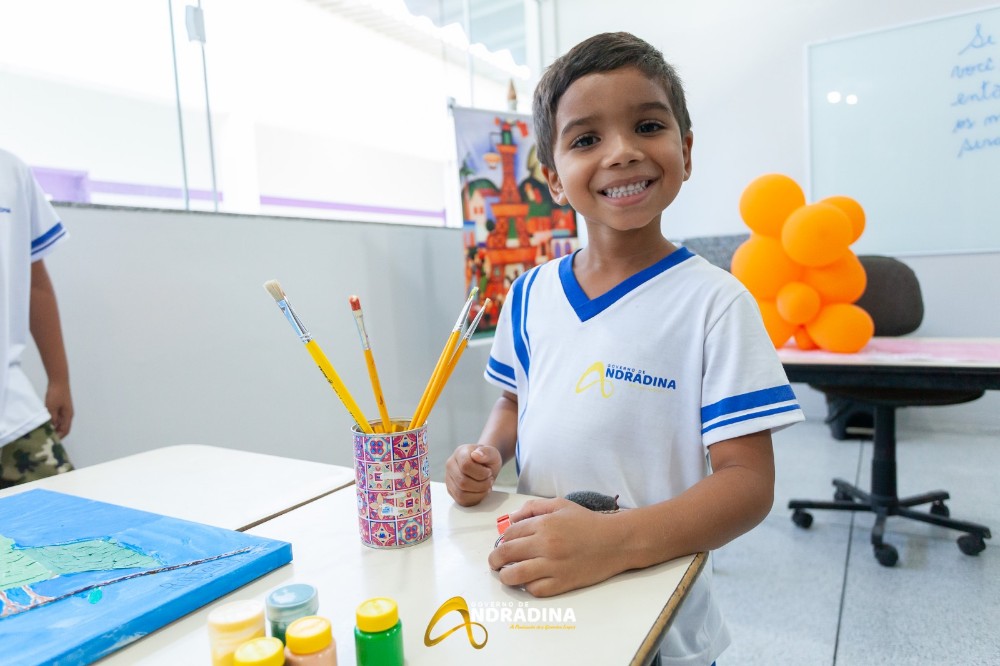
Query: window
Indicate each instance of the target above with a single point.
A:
(331, 109)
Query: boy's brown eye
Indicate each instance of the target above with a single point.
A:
(583, 141)
(647, 127)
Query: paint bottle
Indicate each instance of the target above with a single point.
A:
(288, 603)
(378, 636)
(263, 651)
(309, 642)
(232, 624)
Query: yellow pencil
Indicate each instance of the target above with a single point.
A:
(442, 361)
(274, 288)
(359, 319)
(454, 360)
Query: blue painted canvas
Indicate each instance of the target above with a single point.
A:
(80, 579)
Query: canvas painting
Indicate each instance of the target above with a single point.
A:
(80, 579)
(510, 223)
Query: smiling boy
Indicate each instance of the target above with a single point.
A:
(630, 368)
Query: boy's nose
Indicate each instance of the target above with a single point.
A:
(621, 150)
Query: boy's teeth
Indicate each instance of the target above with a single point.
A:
(634, 188)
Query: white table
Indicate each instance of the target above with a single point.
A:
(206, 484)
(616, 622)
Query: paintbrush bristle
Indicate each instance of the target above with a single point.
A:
(355, 302)
(274, 288)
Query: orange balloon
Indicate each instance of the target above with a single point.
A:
(777, 328)
(841, 327)
(843, 281)
(768, 200)
(803, 341)
(855, 213)
(763, 267)
(797, 302)
(816, 234)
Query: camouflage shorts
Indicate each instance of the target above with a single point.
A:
(37, 455)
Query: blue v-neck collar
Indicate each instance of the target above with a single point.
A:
(586, 308)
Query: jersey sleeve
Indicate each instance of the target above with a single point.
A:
(500, 365)
(744, 387)
(47, 229)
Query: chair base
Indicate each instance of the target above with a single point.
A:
(848, 497)
(884, 501)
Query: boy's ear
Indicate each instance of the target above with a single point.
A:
(555, 186)
(688, 142)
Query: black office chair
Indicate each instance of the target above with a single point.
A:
(894, 301)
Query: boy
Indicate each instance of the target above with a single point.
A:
(625, 364)
(30, 431)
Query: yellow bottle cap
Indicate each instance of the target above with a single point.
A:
(308, 634)
(265, 651)
(377, 614)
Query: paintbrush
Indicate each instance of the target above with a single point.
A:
(442, 362)
(359, 319)
(274, 288)
(454, 361)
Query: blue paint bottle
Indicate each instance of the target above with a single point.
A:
(287, 604)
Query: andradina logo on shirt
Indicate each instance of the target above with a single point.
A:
(599, 374)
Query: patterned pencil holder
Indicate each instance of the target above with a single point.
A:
(392, 475)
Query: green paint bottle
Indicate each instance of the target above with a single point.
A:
(378, 636)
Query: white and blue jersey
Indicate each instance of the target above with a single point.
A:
(29, 229)
(624, 393)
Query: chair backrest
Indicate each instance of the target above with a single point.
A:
(892, 296)
(716, 250)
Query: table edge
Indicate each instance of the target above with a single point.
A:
(662, 624)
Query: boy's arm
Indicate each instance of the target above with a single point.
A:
(47, 333)
(554, 546)
(473, 468)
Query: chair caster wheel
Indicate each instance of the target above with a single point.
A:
(886, 554)
(971, 544)
(841, 496)
(803, 518)
(939, 508)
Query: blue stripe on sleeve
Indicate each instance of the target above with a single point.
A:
(751, 415)
(48, 238)
(752, 400)
(501, 372)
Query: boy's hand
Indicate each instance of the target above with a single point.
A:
(555, 545)
(60, 406)
(470, 472)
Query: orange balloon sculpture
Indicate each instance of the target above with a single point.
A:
(799, 267)
(768, 201)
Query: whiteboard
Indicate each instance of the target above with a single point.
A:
(907, 122)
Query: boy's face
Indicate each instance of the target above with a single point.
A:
(620, 158)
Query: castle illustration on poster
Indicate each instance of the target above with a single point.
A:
(510, 223)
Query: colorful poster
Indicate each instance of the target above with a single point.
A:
(80, 579)
(510, 223)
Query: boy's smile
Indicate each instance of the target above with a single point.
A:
(619, 156)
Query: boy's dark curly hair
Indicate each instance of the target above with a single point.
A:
(601, 53)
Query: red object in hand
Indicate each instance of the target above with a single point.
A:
(503, 522)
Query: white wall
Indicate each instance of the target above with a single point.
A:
(743, 66)
(172, 338)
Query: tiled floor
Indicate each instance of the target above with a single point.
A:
(818, 596)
